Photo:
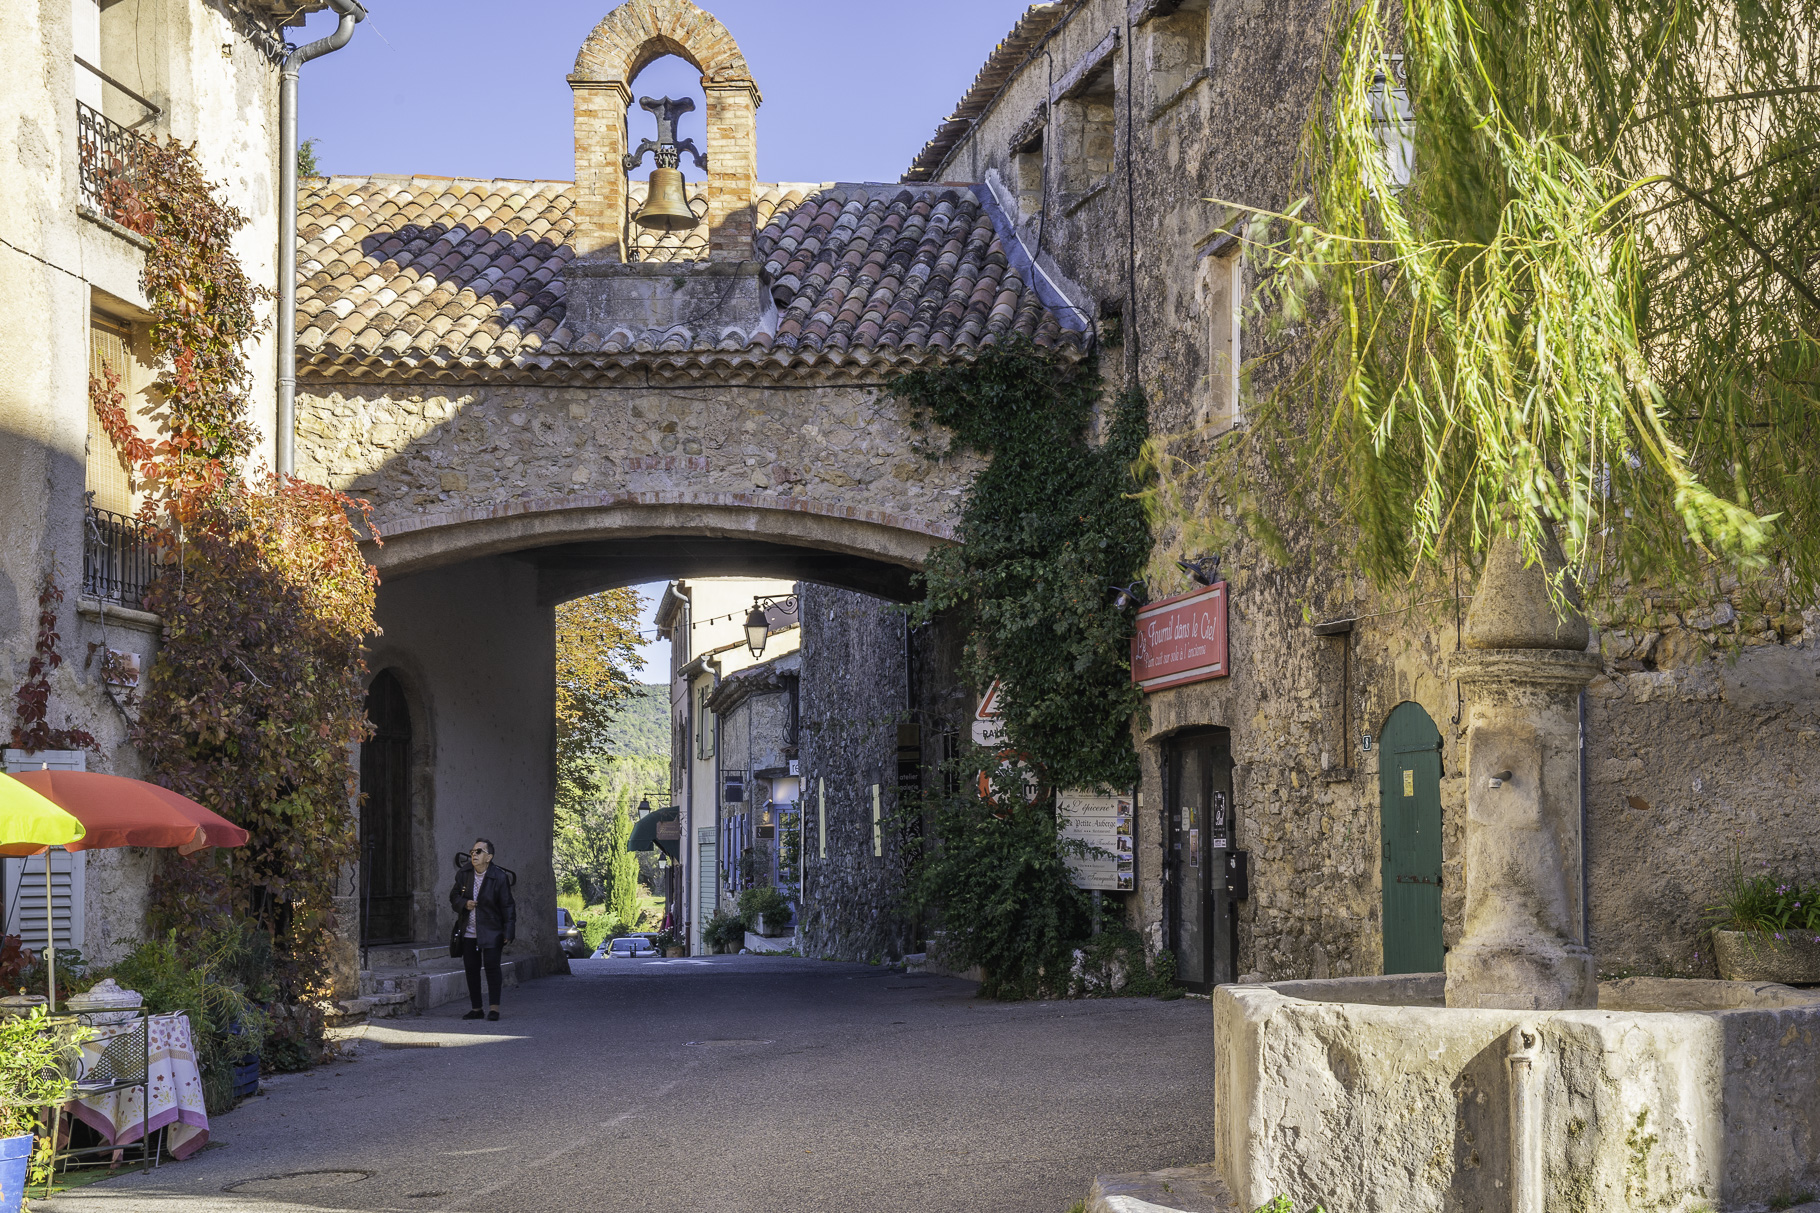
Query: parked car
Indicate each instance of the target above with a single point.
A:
(569, 935)
(625, 946)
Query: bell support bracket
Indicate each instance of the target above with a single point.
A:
(667, 149)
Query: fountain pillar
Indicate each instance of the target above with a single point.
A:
(1522, 670)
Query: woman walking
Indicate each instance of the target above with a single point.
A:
(482, 898)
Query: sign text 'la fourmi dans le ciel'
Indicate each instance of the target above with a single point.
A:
(1181, 640)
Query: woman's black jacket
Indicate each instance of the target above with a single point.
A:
(496, 914)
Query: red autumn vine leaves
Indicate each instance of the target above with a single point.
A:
(257, 692)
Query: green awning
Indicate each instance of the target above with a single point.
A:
(644, 834)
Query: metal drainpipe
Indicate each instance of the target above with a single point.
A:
(352, 12)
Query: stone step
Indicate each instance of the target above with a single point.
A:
(435, 989)
(1176, 1190)
(405, 955)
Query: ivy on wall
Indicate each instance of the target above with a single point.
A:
(1047, 529)
(257, 692)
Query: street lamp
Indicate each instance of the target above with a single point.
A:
(758, 623)
(644, 805)
(757, 629)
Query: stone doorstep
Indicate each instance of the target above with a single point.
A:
(405, 955)
(1176, 1190)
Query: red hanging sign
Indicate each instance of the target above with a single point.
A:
(1181, 640)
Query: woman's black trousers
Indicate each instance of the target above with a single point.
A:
(474, 957)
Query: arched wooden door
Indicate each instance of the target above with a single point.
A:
(1409, 798)
(385, 815)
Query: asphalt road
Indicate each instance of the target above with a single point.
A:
(728, 1084)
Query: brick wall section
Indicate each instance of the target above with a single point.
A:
(600, 169)
(732, 169)
(622, 45)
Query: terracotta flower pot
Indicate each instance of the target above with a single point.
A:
(1756, 956)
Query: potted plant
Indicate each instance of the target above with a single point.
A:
(1768, 929)
(37, 1070)
(724, 930)
(766, 911)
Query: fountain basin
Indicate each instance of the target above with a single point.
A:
(1369, 1096)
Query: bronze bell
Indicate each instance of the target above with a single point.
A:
(666, 205)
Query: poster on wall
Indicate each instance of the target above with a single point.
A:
(1103, 823)
(1181, 640)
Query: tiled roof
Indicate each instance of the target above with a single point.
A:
(411, 275)
(1001, 64)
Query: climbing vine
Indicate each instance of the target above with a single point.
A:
(257, 692)
(1048, 528)
(31, 701)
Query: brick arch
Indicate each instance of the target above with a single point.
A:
(626, 41)
(635, 34)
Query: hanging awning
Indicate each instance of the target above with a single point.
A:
(645, 834)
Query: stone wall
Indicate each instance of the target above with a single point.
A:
(421, 453)
(1691, 755)
(855, 694)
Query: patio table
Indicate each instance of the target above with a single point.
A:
(173, 1085)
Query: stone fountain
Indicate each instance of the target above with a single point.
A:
(1515, 1081)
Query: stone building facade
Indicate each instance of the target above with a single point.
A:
(544, 399)
(83, 80)
(1106, 132)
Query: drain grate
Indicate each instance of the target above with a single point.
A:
(298, 1181)
(723, 1044)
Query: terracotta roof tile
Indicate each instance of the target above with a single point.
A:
(403, 272)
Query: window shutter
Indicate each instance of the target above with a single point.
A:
(108, 479)
(24, 878)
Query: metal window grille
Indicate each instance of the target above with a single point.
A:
(107, 152)
(119, 558)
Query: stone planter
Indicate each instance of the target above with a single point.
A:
(1750, 956)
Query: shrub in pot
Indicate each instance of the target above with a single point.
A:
(37, 1070)
(724, 930)
(765, 910)
(1768, 929)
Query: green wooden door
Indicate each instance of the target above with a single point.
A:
(1409, 797)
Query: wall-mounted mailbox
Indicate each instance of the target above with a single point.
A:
(1238, 875)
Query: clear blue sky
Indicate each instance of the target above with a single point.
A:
(852, 88)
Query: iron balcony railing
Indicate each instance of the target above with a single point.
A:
(107, 152)
(119, 558)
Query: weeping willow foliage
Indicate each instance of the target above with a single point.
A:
(1590, 315)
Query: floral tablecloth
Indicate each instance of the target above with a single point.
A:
(174, 1088)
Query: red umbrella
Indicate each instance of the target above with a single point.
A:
(120, 812)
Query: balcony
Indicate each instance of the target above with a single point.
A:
(119, 558)
(108, 155)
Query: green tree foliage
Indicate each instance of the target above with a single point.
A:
(1592, 313)
(1047, 529)
(620, 877)
(306, 159)
(596, 657)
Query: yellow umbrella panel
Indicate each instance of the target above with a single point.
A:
(30, 822)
